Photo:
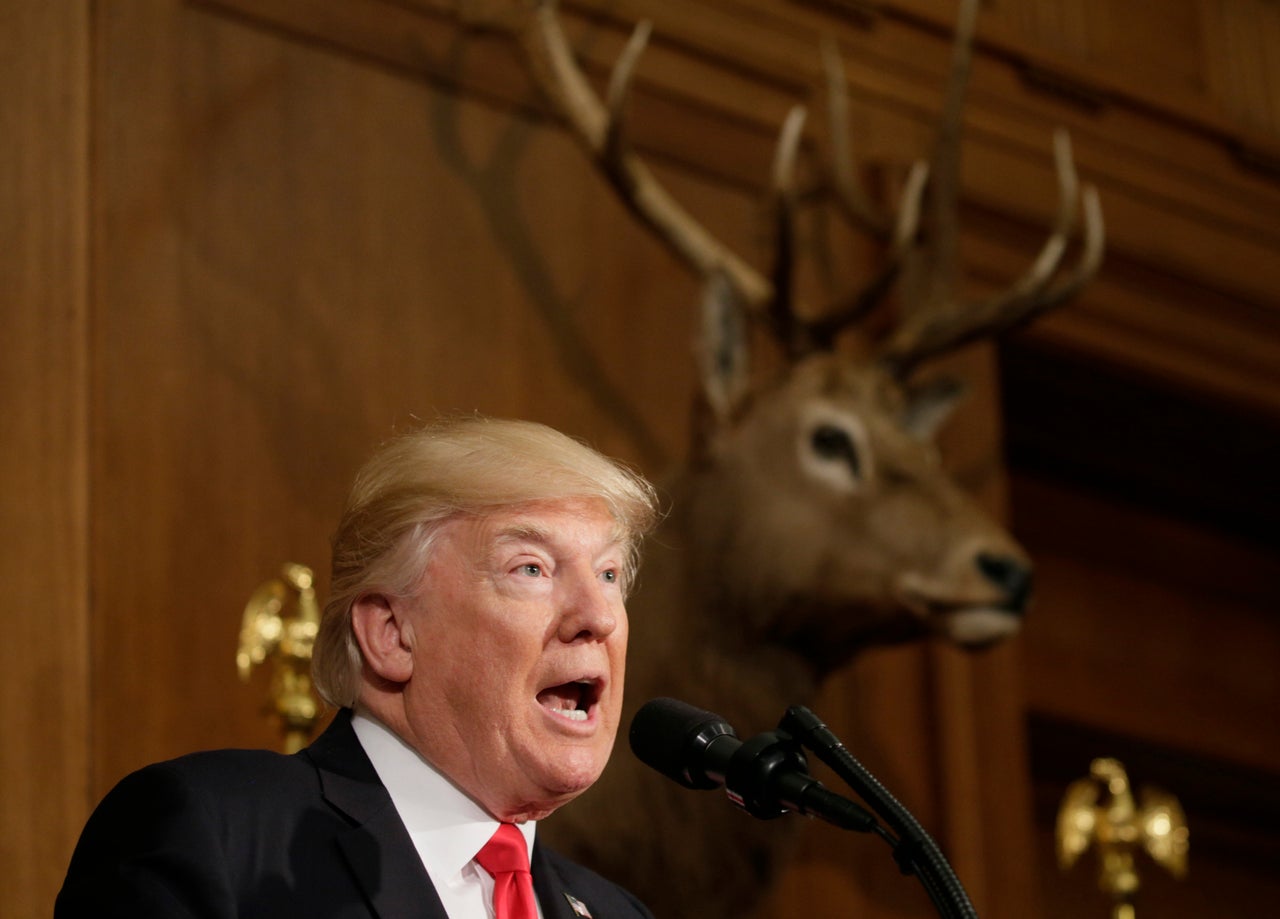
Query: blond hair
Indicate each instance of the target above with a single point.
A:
(416, 482)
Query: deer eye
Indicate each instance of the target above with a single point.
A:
(834, 444)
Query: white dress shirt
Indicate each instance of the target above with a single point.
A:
(446, 826)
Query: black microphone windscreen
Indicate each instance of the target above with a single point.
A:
(670, 735)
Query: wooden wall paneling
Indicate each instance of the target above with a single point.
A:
(1242, 71)
(484, 64)
(978, 697)
(1137, 44)
(1232, 813)
(881, 707)
(1179, 61)
(1171, 450)
(1147, 507)
(44, 302)
(1159, 649)
(1190, 337)
(1160, 630)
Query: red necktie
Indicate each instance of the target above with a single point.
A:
(507, 859)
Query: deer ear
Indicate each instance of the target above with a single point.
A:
(931, 403)
(723, 356)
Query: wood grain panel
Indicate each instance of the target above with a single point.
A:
(1232, 812)
(1157, 644)
(1241, 37)
(978, 698)
(1158, 59)
(1153, 628)
(44, 265)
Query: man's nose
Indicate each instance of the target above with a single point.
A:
(588, 612)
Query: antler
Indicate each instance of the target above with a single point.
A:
(933, 320)
(936, 322)
(854, 204)
(601, 129)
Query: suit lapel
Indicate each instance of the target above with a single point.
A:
(550, 888)
(377, 845)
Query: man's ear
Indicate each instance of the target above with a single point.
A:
(384, 635)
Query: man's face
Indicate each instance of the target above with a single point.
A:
(519, 638)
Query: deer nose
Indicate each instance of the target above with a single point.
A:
(1011, 575)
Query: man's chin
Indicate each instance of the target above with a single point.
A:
(547, 782)
(567, 785)
(543, 802)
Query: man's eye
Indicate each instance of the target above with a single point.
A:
(532, 570)
(610, 575)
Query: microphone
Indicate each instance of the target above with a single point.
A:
(767, 776)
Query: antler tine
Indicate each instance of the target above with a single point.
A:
(935, 321)
(784, 157)
(1055, 246)
(938, 260)
(822, 332)
(599, 129)
(782, 310)
(908, 223)
(849, 193)
(620, 86)
(559, 77)
(1029, 297)
(1093, 245)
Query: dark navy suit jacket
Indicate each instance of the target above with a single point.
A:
(250, 833)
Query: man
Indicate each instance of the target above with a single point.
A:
(474, 642)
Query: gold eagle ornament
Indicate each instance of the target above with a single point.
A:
(266, 632)
(1101, 811)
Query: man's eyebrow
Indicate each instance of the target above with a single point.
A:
(527, 532)
(518, 532)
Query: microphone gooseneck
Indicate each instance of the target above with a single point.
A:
(916, 850)
(767, 776)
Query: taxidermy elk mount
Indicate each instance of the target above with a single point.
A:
(814, 519)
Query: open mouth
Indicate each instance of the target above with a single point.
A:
(572, 701)
(970, 623)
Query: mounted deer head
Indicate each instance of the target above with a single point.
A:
(839, 446)
(815, 519)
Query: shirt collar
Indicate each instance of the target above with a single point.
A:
(447, 827)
